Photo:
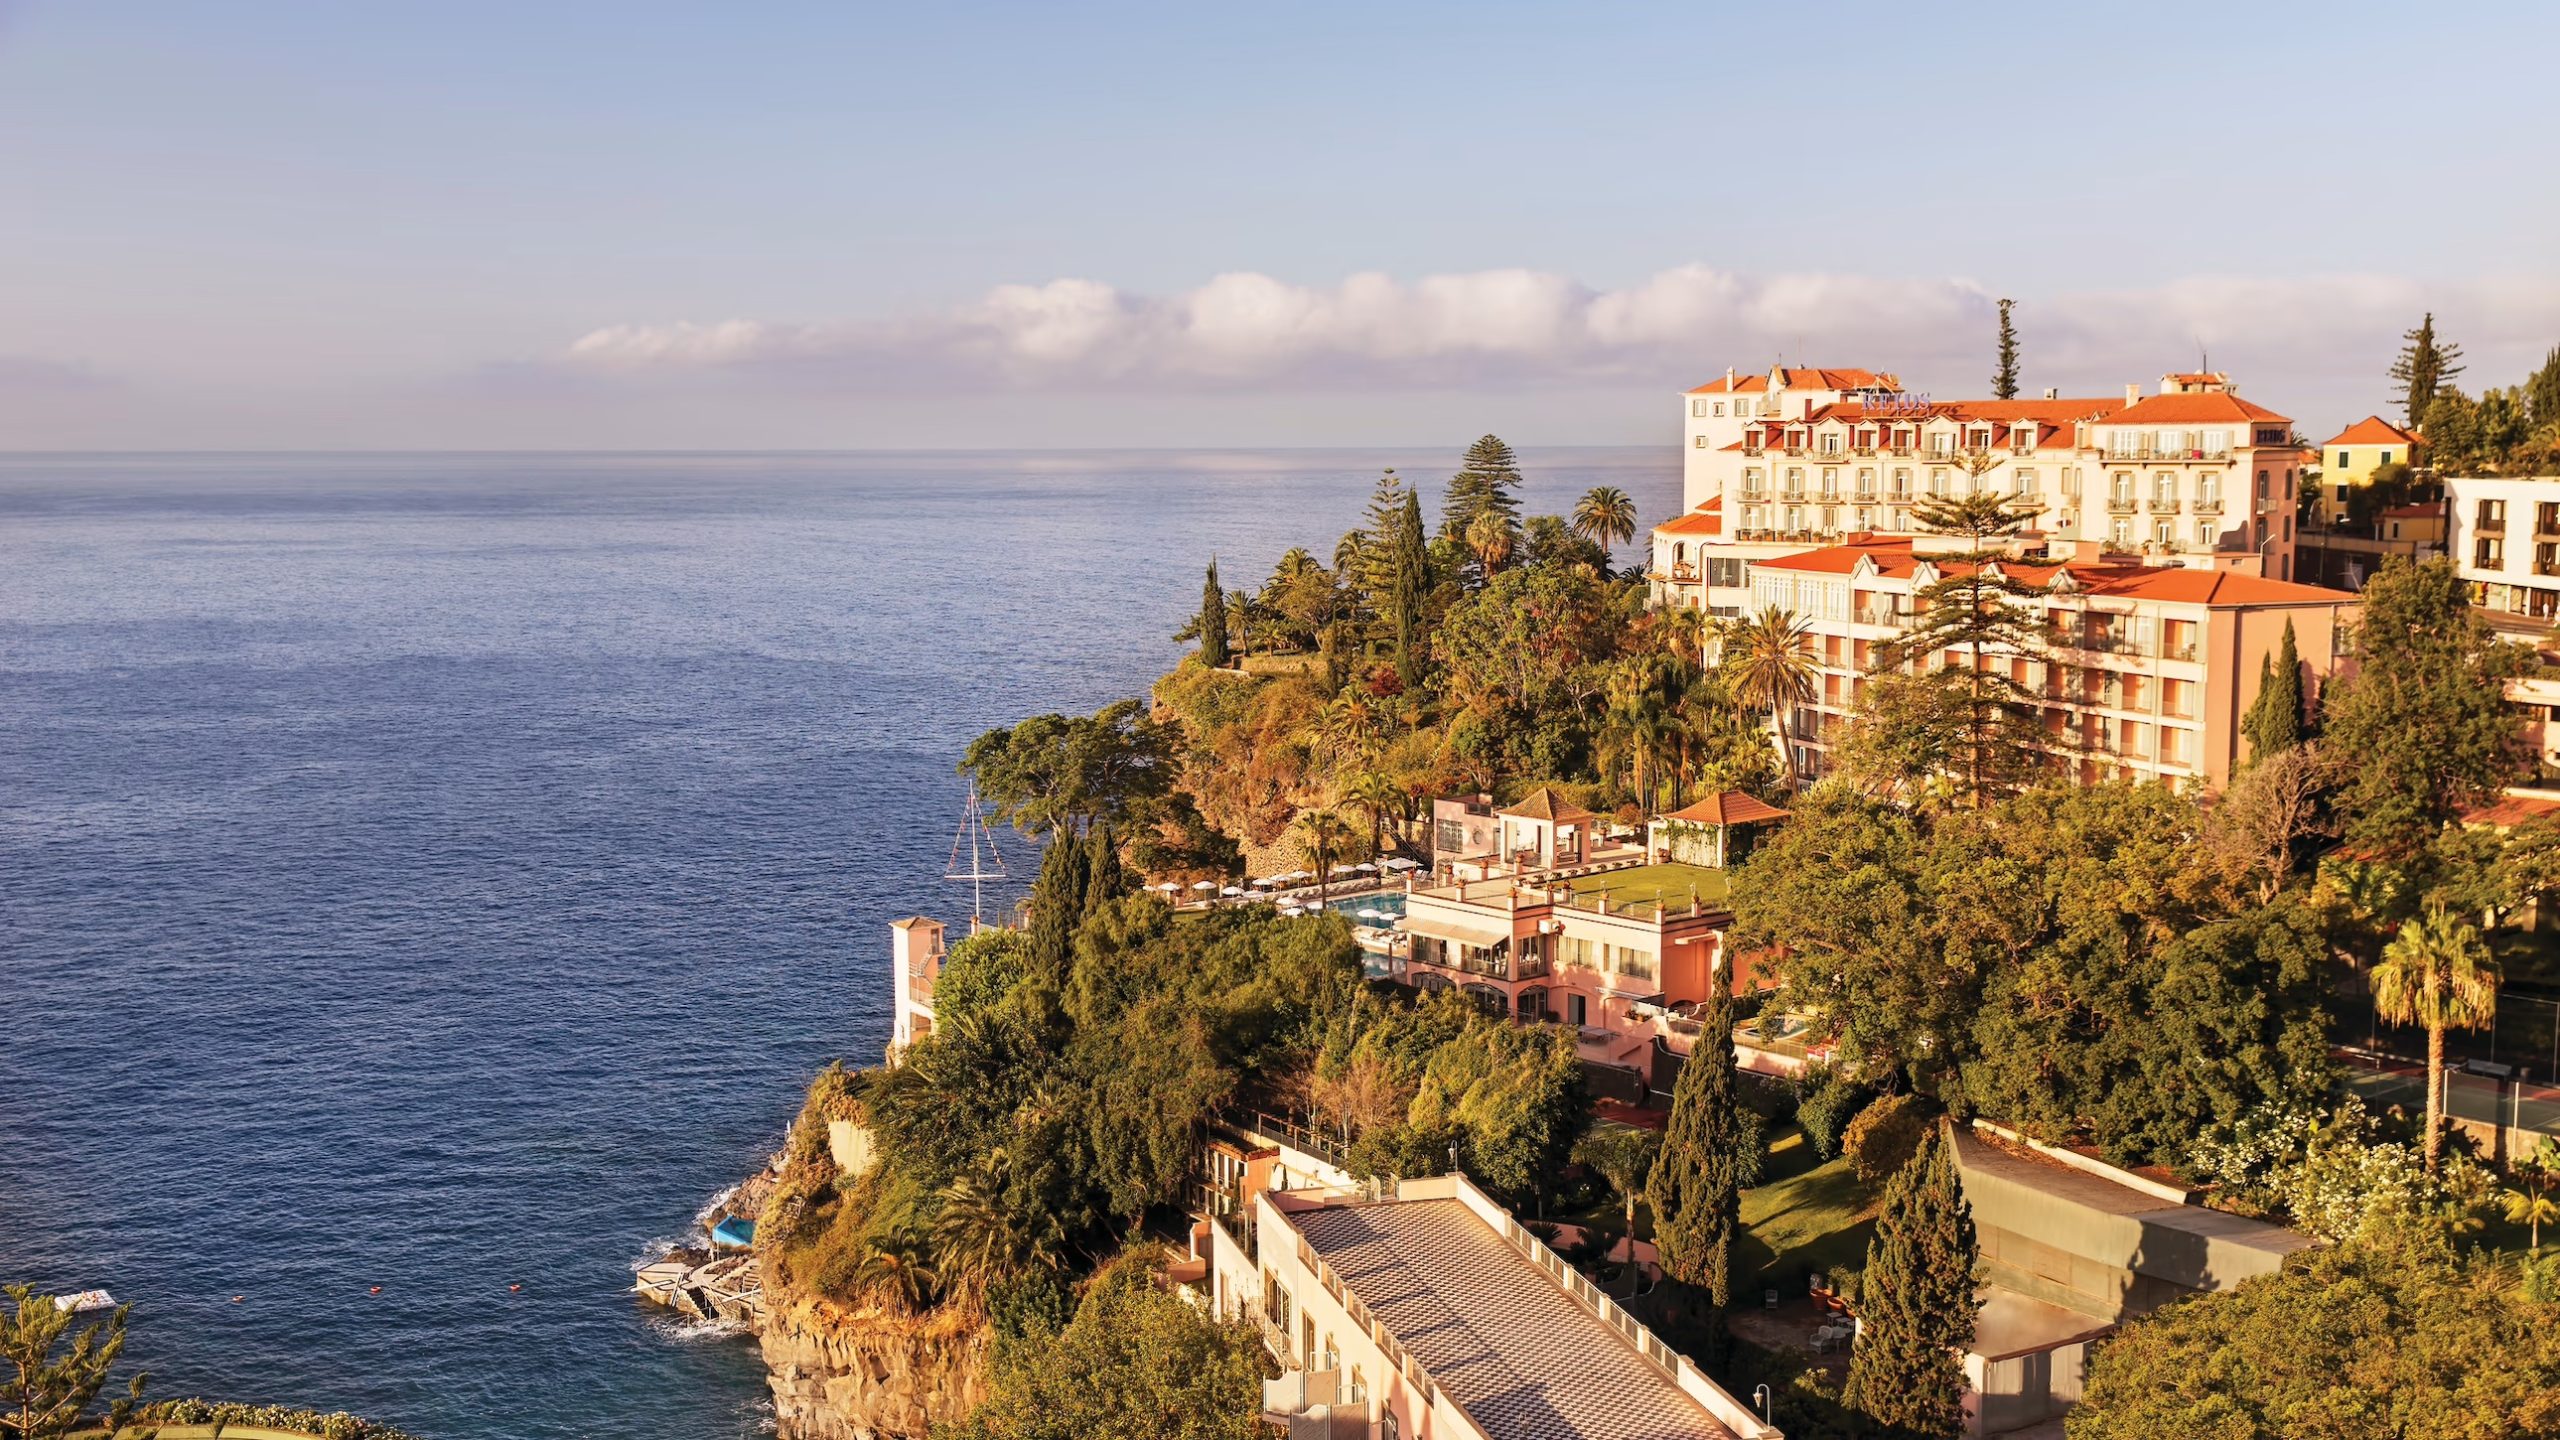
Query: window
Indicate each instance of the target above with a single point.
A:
(2342, 460)
(1719, 410)
(1576, 1010)
(1938, 480)
(2164, 486)
(1901, 483)
(2204, 535)
(2160, 532)
(1697, 409)
(1700, 441)
(1387, 1424)
(2027, 482)
(1727, 572)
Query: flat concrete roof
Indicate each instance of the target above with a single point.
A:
(1522, 1358)
(2013, 1324)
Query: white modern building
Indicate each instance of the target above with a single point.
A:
(2505, 541)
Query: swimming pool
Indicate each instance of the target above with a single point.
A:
(1391, 903)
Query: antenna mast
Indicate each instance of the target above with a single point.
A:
(985, 861)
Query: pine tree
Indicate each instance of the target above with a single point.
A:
(1916, 1302)
(1412, 585)
(2542, 393)
(2004, 379)
(1213, 622)
(2424, 368)
(1695, 1189)
(1971, 613)
(2274, 721)
(1487, 483)
(1105, 880)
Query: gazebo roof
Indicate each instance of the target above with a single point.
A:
(1544, 803)
(1726, 807)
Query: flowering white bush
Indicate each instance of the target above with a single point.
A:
(2329, 1175)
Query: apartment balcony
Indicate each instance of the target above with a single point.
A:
(2209, 505)
(1901, 450)
(1866, 497)
(2164, 505)
(2546, 567)
(2120, 505)
(2184, 650)
(2489, 527)
(1862, 450)
(2176, 455)
(1752, 494)
(1684, 573)
(1884, 615)
(1792, 495)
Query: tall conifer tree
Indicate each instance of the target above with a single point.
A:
(2424, 369)
(1976, 617)
(1213, 622)
(1412, 585)
(2274, 721)
(2004, 377)
(1916, 1302)
(1696, 1185)
(1057, 905)
(1487, 483)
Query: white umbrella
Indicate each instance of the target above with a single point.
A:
(1345, 869)
(1365, 865)
(1204, 884)
(1401, 863)
(1232, 890)
(1168, 887)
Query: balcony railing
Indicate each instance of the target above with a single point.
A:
(2209, 505)
(2164, 504)
(2182, 650)
(2120, 504)
(1884, 615)
(2160, 452)
(1684, 572)
(2490, 527)
(2546, 567)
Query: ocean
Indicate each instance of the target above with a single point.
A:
(426, 879)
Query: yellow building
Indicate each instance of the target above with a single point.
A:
(2351, 458)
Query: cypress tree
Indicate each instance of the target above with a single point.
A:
(1412, 584)
(2004, 378)
(1213, 622)
(1695, 1188)
(1104, 878)
(1487, 483)
(1916, 1301)
(1057, 905)
(2274, 721)
(2424, 369)
(2542, 392)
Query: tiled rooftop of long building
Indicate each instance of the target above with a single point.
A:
(1521, 1357)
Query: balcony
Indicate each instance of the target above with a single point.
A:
(1755, 493)
(2209, 505)
(1792, 495)
(1687, 573)
(2546, 567)
(2486, 526)
(2120, 505)
(2164, 504)
(1884, 615)
(2179, 455)
(2183, 650)
(1866, 496)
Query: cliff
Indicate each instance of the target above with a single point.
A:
(870, 1375)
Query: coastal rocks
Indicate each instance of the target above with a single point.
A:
(869, 1376)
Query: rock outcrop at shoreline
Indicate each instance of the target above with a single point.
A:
(871, 1375)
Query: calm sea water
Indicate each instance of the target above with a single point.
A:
(442, 873)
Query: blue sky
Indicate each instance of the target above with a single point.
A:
(634, 224)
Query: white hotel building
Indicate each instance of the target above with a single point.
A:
(2193, 476)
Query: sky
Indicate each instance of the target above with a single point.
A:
(637, 225)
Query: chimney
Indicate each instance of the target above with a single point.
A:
(2050, 393)
(2132, 394)
(1728, 377)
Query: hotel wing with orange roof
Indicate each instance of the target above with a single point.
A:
(2143, 671)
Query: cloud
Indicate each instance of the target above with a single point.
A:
(1526, 327)
(27, 372)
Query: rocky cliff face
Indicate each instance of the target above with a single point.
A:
(869, 1376)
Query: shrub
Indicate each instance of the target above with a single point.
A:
(336, 1425)
(1884, 1136)
(1825, 1109)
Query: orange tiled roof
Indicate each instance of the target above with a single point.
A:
(1726, 807)
(1739, 384)
(1811, 377)
(2176, 584)
(2508, 811)
(2372, 430)
(2209, 406)
(1707, 519)
(1544, 803)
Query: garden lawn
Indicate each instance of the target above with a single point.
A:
(1810, 1215)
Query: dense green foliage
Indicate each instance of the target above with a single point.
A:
(328, 1425)
(1885, 1135)
(2388, 1338)
(2421, 728)
(2061, 960)
(1060, 774)
(1973, 609)
(45, 1394)
(1696, 1186)
(1135, 1363)
(1916, 1302)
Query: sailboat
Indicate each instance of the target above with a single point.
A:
(983, 863)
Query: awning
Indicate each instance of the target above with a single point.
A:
(1482, 937)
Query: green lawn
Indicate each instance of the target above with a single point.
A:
(1809, 1215)
(1647, 886)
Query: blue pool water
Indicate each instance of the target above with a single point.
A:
(442, 873)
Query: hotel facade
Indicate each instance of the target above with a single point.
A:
(2192, 476)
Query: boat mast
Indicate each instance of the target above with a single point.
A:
(985, 861)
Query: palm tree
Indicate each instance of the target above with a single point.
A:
(1325, 836)
(2531, 1208)
(2437, 973)
(1605, 517)
(975, 1241)
(1491, 537)
(1623, 1155)
(1771, 657)
(1379, 794)
(895, 1270)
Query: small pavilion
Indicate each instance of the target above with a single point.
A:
(1543, 831)
(1713, 831)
